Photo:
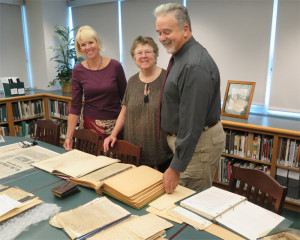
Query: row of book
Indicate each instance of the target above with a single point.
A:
(290, 179)
(28, 109)
(3, 113)
(59, 109)
(25, 129)
(288, 153)
(4, 131)
(225, 167)
(249, 145)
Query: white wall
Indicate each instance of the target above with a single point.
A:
(237, 35)
(235, 32)
(104, 19)
(138, 19)
(286, 71)
(12, 51)
(42, 16)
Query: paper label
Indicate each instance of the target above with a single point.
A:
(21, 91)
(13, 91)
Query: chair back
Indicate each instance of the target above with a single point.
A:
(48, 131)
(87, 141)
(258, 187)
(124, 151)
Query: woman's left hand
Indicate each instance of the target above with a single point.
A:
(109, 142)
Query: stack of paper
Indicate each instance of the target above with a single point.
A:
(96, 178)
(14, 200)
(163, 204)
(135, 187)
(90, 218)
(147, 227)
(103, 219)
(74, 163)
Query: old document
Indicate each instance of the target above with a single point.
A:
(74, 163)
(91, 217)
(96, 178)
(167, 200)
(27, 200)
(144, 227)
(14, 159)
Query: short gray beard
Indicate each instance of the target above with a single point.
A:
(170, 50)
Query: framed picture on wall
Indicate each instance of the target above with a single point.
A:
(237, 99)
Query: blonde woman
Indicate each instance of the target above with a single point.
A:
(103, 82)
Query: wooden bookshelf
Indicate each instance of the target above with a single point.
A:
(275, 134)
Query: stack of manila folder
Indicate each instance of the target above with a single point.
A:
(135, 187)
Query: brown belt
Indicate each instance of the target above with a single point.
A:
(172, 134)
(208, 126)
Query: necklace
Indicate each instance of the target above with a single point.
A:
(98, 66)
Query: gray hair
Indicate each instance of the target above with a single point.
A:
(180, 12)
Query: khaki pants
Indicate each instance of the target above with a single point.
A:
(201, 169)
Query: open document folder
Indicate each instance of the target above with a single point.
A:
(14, 200)
(135, 187)
(103, 219)
(234, 212)
(96, 178)
(74, 163)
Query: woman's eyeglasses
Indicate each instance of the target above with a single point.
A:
(146, 93)
(140, 53)
(25, 144)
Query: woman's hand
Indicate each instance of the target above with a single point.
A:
(109, 142)
(68, 144)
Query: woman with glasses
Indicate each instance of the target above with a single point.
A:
(139, 113)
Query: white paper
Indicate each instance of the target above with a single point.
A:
(167, 200)
(282, 172)
(190, 218)
(21, 91)
(212, 202)
(14, 159)
(250, 220)
(13, 91)
(7, 204)
(294, 175)
(1, 139)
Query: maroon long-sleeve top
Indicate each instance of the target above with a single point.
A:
(103, 91)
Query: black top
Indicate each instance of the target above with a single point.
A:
(191, 99)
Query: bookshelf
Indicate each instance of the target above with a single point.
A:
(275, 129)
(3, 120)
(269, 155)
(59, 107)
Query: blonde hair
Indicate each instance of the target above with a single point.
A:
(85, 33)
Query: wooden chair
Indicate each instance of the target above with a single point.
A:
(48, 131)
(262, 188)
(87, 141)
(124, 151)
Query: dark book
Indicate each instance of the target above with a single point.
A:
(231, 144)
(65, 189)
(4, 113)
(227, 146)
